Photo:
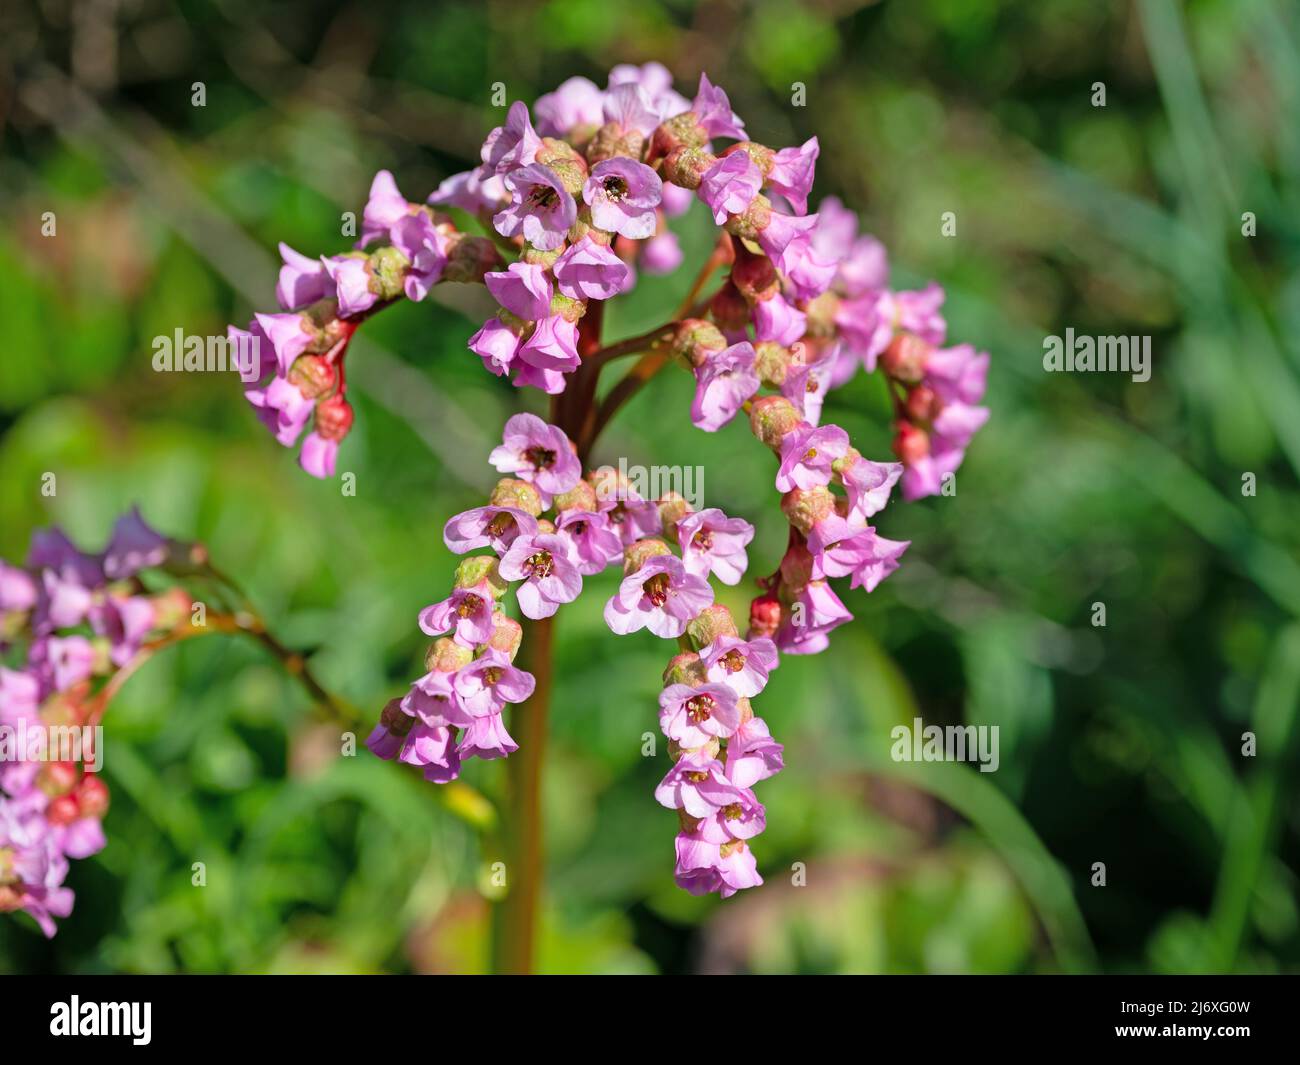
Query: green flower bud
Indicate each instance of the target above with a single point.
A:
(387, 268)
(476, 569)
(712, 622)
(771, 418)
(685, 668)
(445, 655)
(511, 492)
(803, 508)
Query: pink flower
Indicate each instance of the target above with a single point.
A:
(318, 455)
(623, 195)
(779, 321)
(713, 112)
(513, 145)
(17, 589)
(806, 385)
(693, 716)
(804, 630)
(552, 346)
(781, 236)
(577, 102)
(544, 562)
(918, 312)
(487, 526)
(475, 191)
(725, 380)
(957, 374)
(660, 596)
(590, 271)
(384, 208)
(704, 867)
(282, 409)
(792, 173)
(552, 382)
(868, 558)
(71, 658)
(807, 455)
(496, 344)
(713, 542)
(433, 748)
(416, 237)
(467, 610)
(868, 485)
(434, 701)
(351, 284)
(487, 738)
(595, 545)
(540, 208)
(125, 621)
(523, 289)
(538, 453)
(133, 546)
(752, 754)
(487, 684)
(661, 254)
(730, 185)
(743, 818)
(303, 280)
(698, 785)
(742, 665)
(629, 108)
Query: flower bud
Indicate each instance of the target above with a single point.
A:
(57, 778)
(821, 314)
(387, 269)
(685, 668)
(680, 131)
(751, 221)
(904, 359)
(333, 417)
(772, 361)
(565, 161)
(687, 166)
(512, 492)
(804, 508)
(92, 796)
(507, 634)
(923, 404)
(312, 375)
(638, 554)
(582, 496)
(611, 140)
(672, 509)
(62, 811)
(771, 418)
(708, 750)
(763, 156)
(445, 655)
(570, 310)
(764, 615)
(713, 621)
(911, 444)
(796, 568)
(395, 719)
(729, 308)
(476, 569)
(537, 257)
(469, 258)
(754, 275)
(694, 339)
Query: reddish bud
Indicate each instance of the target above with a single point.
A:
(764, 615)
(334, 417)
(905, 358)
(92, 796)
(911, 444)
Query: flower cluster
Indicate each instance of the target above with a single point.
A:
(68, 622)
(574, 197)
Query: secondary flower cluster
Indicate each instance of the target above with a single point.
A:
(68, 621)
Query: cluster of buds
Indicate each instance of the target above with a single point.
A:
(69, 621)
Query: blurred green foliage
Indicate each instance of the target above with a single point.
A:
(1120, 744)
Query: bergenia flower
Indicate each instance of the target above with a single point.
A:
(730, 185)
(513, 145)
(660, 596)
(590, 271)
(467, 611)
(724, 382)
(553, 345)
(133, 546)
(524, 289)
(713, 543)
(713, 112)
(595, 544)
(351, 279)
(807, 455)
(577, 102)
(743, 665)
(865, 557)
(541, 208)
(494, 527)
(752, 754)
(487, 684)
(497, 345)
(792, 173)
(693, 716)
(698, 785)
(623, 195)
(550, 575)
(385, 207)
(538, 453)
(303, 280)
